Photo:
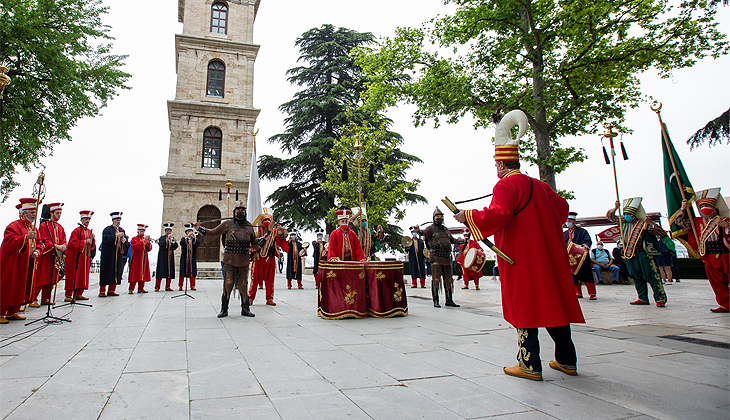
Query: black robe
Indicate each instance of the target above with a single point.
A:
(317, 254)
(165, 267)
(192, 270)
(294, 253)
(110, 257)
(416, 259)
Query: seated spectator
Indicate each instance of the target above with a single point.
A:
(602, 260)
(618, 261)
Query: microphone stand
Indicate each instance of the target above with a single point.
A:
(73, 295)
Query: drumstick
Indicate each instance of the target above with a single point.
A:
(486, 241)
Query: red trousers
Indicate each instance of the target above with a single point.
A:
(112, 288)
(79, 292)
(44, 291)
(158, 283)
(140, 286)
(471, 275)
(263, 273)
(423, 282)
(590, 286)
(181, 282)
(717, 267)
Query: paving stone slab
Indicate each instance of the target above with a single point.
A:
(152, 395)
(81, 406)
(229, 378)
(158, 356)
(398, 402)
(344, 370)
(16, 391)
(332, 405)
(256, 407)
(90, 371)
(394, 363)
(465, 398)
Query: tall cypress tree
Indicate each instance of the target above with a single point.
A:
(317, 115)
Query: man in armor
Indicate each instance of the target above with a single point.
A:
(438, 241)
(240, 238)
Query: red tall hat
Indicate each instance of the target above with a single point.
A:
(27, 204)
(343, 214)
(86, 213)
(55, 206)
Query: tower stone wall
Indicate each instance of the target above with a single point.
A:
(188, 186)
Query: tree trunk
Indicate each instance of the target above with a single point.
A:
(540, 126)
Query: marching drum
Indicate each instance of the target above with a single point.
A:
(475, 259)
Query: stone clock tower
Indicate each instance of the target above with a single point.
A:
(212, 115)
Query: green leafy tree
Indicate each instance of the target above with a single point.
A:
(569, 65)
(58, 53)
(714, 132)
(317, 116)
(390, 191)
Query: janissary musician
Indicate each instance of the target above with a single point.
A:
(319, 254)
(79, 253)
(271, 240)
(114, 246)
(240, 241)
(17, 252)
(578, 236)
(139, 264)
(640, 235)
(469, 275)
(52, 241)
(713, 228)
(166, 258)
(188, 257)
(294, 266)
(344, 244)
(537, 291)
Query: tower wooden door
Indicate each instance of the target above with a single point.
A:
(209, 217)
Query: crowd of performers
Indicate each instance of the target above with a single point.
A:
(521, 207)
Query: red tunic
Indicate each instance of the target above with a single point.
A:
(337, 246)
(78, 253)
(14, 258)
(139, 267)
(538, 290)
(470, 273)
(49, 234)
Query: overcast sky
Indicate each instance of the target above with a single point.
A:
(115, 160)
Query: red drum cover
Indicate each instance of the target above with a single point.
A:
(475, 259)
(342, 290)
(386, 291)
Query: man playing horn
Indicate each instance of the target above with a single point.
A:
(114, 246)
(537, 291)
(139, 264)
(52, 240)
(271, 241)
(319, 254)
(166, 259)
(81, 250)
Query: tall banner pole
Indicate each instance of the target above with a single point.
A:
(658, 110)
(610, 134)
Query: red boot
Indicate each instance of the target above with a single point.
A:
(415, 284)
(578, 290)
(423, 282)
(192, 283)
(591, 290)
(158, 282)
(168, 283)
(288, 283)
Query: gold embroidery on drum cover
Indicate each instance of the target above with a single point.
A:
(398, 295)
(379, 275)
(331, 274)
(350, 296)
(361, 275)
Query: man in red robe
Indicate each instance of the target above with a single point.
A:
(17, 251)
(271, 240)
(468, 274)
(80, 251)
(344, 244)
(52, 238)
(139, 265)
(713, 228)
(525, 217)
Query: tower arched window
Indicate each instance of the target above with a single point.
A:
(219, 18)
(212, 138)
(216, 78)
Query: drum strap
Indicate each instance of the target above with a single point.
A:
(527, 202)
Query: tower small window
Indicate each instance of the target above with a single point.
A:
(216, 78)
(212, 138)
(218, 18)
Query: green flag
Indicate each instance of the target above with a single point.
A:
(673, 193)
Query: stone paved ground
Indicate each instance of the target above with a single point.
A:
(149, 356)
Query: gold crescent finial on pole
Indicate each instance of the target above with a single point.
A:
(253, 133)
(656, 108)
